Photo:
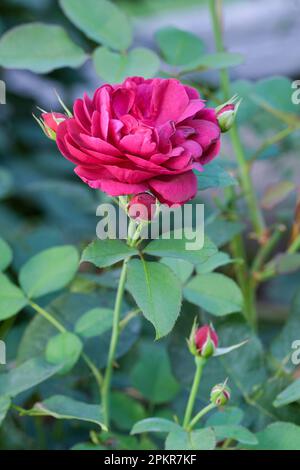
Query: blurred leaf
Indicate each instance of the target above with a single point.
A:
(214, 176)
(6, 255)
(114, 67)
(95, 322)
(226, 416)
(289, 395)
(5, 403)
(12, 299)
(27, 375)
(223, 231)
(235, 432)
(177, 248)
(6, 181)
(276, 193)
(103, 253)
(285, 263)
(279, 436)
(178, 47)
(281, 346)
(49, 271)
(125, 411)
(216, 261)
(65, 349)
(276, 92)
(215, 293)
(183, 269)
(154, 425)
(229, 349)
(220, 60)
(202, 439)
(101, 21)
(63, 407)
(152, 375)
(148, 283)
(40, 48)
(68, 308)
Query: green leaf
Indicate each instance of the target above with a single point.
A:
(216, 261)
(176, 248)
(289, 395)
(226, 416)
(154, 425)
(148, 283)
(49, 271)
(220, 60)
(101, 21)
(276, 193)
(183, 269)
(215, 293)
(235, 432)
(5, 403)
(114, 67)
(103, 253)
(275, 92)
(95, 322)
(178, 47)
(152, 375)
(5, 255)
(65, 349)
(125, 411)
(214, 176)
(222, 231)
(40, 48)
(279, 436)
(12, 299)
(202, 439)
(63, 407)
(27, 375)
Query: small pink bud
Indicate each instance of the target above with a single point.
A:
(142, 207)
(51, 122)
(226, 113)
(206, 341)
(220, 394)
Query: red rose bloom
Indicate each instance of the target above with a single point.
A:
(142, 135)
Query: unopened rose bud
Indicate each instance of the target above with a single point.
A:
(226, 113)
(206, 341)
(142, 207)
(220, 394)
(49, 122)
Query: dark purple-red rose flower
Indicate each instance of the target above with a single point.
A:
(141, 135)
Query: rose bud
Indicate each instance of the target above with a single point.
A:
(142, 207)
(220, 394)
(226, 113)
(206, 341)
(49, 122)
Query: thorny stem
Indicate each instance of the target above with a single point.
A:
(237, 245)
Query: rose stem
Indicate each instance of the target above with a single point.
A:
(199, 415)
(200, 362)
(257, 219)
(113, 343)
